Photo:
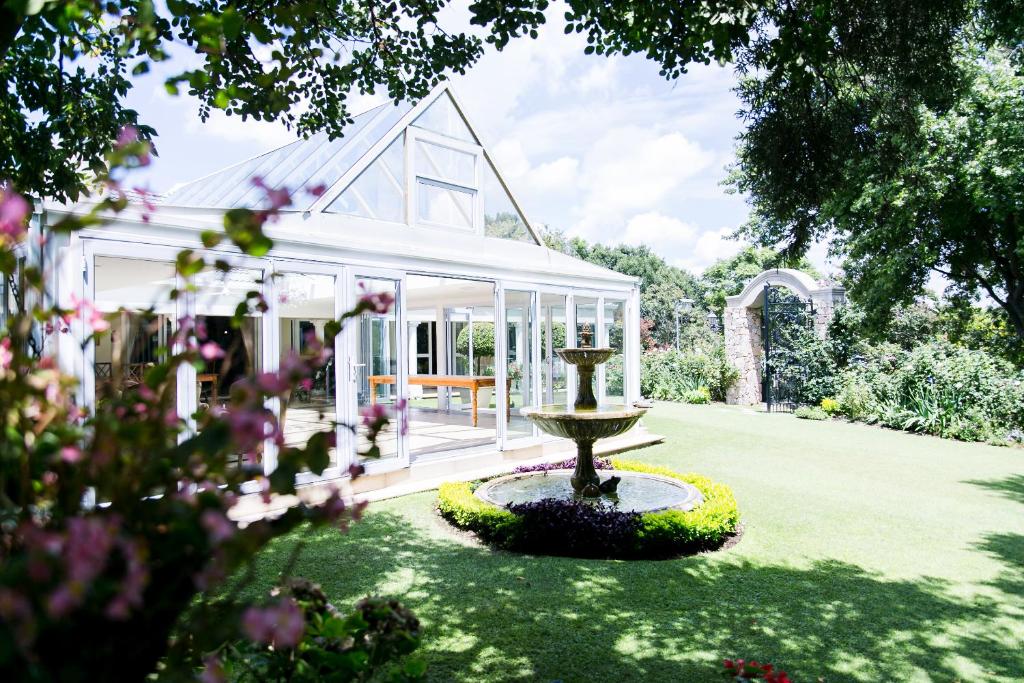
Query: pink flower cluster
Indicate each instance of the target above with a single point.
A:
(83, 309)
(14, 213)
(281, 624)
(78, 557)
(375, 302)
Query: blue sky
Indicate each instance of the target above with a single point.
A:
(599, 147)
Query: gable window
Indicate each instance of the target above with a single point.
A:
(446, 183)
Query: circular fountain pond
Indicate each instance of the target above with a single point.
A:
(637, 492)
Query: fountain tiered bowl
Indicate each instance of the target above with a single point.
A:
(585, 422)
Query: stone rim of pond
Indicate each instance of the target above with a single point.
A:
(682, 496)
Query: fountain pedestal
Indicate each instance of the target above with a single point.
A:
(586, 421)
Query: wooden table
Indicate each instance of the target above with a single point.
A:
(210, 378)
(472, 382)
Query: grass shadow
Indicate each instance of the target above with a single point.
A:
(1011, 487)
(499, 616)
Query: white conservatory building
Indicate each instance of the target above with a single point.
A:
(414, 206)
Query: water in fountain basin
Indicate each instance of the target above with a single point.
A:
(637, 492)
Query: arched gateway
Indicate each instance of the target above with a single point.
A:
(744, 323)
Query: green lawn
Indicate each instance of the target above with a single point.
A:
(869, 555)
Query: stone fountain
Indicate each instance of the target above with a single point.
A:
(586, 422)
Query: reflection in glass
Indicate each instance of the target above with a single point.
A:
(133, 296)
(306, 304)
(552, 336)
(519, 328)
(613, 337)
(376, 364)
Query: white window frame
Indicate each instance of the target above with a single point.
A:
(414, 135)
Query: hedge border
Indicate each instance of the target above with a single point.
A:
(667, 533)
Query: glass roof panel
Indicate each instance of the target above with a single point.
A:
(442, 117)
(379, 191)
(501, 218)
(298, 165)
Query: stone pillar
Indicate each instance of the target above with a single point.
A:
(743, 349)
(826, 300)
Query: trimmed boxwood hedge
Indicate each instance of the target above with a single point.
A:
(581, 529)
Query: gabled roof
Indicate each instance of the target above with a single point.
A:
(331, 165)
(305, 163)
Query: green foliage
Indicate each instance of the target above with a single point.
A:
(614, 377)
(811, 413)
(698, 396)
(916, 177)
(672, 375)
(936, 388)
(366, 644)
(661, 534)
(483, 340)
(661, 285)
(706, 525)
(457, 504)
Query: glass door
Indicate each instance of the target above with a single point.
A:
(378, 381)
(306, 298)
(522, 349)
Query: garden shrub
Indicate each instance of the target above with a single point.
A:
(830, 405)
(324, 643)
(669, 375)
(811, 413)
(597, 530)
(613, 376)
(936, 388)
(699, 396)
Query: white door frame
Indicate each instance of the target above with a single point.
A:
(356, 273)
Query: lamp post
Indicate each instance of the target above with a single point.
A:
(682, 306)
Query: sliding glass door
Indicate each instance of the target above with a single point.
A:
(378, 380)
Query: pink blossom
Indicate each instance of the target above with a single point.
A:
(402, 409)
(377, 302)
(210, 351)
(71, 454)
(85, 310)
(6, 355)
(373, 415)
(14, 211)
(129, 135)
(218, 526)
(281, 624)
(213, 671)
(317, 190)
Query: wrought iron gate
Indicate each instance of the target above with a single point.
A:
(785, 320)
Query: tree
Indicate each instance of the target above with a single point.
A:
(661, 285)
(883, 143)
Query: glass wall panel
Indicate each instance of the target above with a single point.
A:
(451, 364)
(501, 219)
(614, 337)
(519, 330)
(306, 304)
(241, 342)
(379, 191)
(442, 117)
(444, 205)
(133, 296)
(552, 336)
(376, 364)
(586, 314)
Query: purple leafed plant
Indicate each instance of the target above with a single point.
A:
(599, 463)
(575, 528)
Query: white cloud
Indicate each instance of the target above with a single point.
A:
(633, 169)
(682, 244)
(656, 229)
